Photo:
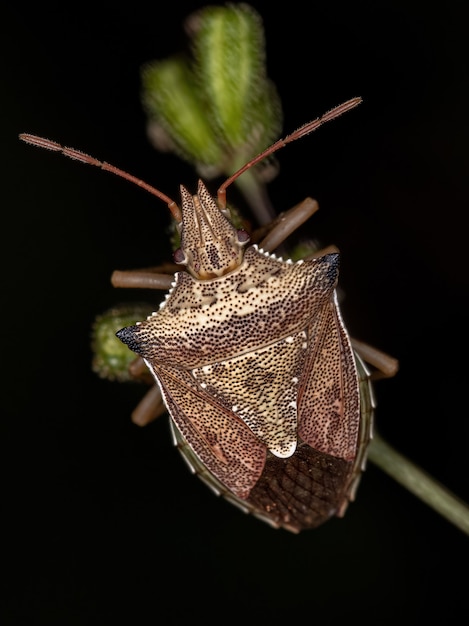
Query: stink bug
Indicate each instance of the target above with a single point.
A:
(270, 402)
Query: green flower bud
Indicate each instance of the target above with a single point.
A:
(177, 119)
(216, 109)
(229, 52)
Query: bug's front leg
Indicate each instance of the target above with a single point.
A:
(159, 277)
(271, 236)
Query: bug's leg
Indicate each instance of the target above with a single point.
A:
(139, 371)
(273, 235)
(385, 365)
(285, 224)
(151, 278)
(150, 407)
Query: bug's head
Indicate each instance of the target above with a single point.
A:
(210, 245)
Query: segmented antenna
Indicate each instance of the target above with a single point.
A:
(304, 130)
(77, 155)
(307, 128)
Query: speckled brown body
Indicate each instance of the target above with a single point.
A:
(257, 372)
(268, 402)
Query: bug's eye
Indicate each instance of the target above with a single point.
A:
(243, 236)
(179, 256)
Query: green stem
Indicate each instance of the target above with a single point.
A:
(256, 196)
(419, 483)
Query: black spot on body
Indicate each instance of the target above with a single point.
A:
(128, 335)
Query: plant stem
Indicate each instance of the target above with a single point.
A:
(256, 196)
(419, 483)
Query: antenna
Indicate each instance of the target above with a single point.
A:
(307, 128)
(77, 155)
(304, 130)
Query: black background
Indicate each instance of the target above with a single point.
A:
(102, 520)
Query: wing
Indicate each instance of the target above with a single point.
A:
(224, 444)
(329, 397)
